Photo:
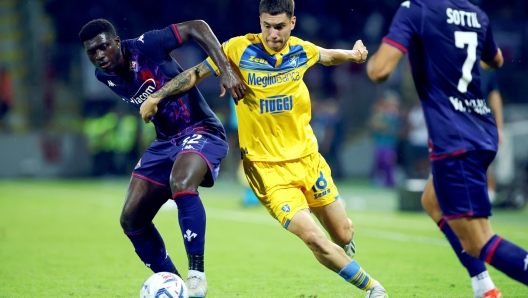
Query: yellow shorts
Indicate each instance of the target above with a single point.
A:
(286, 187)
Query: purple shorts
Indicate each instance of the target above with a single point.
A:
(461, 185)
(156, 163)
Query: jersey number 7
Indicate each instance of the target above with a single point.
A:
(471, 39)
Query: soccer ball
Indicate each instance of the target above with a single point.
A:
(164, 285)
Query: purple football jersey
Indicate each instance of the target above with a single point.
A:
(150, 67)
(445, 40)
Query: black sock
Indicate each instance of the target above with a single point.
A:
(196, 262)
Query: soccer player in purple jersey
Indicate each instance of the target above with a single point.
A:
(190, 139)
(480, 280)
(445, 40)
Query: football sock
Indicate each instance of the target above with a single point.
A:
(196, 262)
(151, 249)
(507, 257)
(353, 274)
(482, 283)
(191, 215)
(473, 265)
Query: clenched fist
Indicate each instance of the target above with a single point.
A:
(360, 51)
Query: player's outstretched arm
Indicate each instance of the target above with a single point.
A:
(179, 84)
(358, 54)
(204, 36)
(383, 62)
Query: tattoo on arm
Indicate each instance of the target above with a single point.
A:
(175, 85)
(184, 81)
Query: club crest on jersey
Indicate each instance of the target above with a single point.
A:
(276, 104)
(294, 60)
(286, 208)
(134, 66)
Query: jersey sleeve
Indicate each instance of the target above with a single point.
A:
(405, 24)
(490, 48)
(231, 53)
(157, 44)
(312, 53)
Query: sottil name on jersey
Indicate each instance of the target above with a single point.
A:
(464, 18)
(276, 104)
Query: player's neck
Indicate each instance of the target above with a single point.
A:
(121, 69)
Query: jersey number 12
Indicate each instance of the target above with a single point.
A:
(471, 40)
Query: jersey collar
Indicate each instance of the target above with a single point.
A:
(284, 50)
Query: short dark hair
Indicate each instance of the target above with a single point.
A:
(96, 27)
(275, 7)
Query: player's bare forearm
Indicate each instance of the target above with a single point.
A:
(336, 57)
(183, 82)
(358, 54)
(495, 105)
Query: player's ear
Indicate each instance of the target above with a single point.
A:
(293, 21)
(117, 40)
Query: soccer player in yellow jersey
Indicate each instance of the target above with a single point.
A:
(278, 146)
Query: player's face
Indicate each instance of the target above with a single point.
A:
(276, 29)
(104, 52)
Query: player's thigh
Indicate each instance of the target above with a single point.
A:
(320, 187)
(188, 172)
(335, 220)
(143, 201)
(197, 162)
(324, 201)
(304, 226)
(460, 184)
(277, 187)
(430, 202)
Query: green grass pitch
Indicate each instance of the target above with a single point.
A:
(63, 239)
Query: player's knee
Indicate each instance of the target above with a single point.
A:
(345, 234)
(126, 222)
(179, 184)
(315, 241)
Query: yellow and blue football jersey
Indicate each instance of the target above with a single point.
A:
(274, 116)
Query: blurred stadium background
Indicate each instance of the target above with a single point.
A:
(57, 122)
(61, 123)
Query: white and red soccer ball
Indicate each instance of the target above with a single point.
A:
(164, 285)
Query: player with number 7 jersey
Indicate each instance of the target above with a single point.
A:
(444, 65)
(445, 40)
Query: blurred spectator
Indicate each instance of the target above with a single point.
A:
(100, 132)
(384, 125)
(6, 97)
(418, 139)
(328, 127)
(126, 143)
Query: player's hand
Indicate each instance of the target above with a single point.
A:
(234, 85)
(148, 109)
(360, 51)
